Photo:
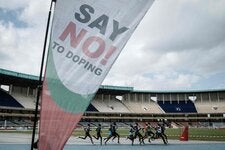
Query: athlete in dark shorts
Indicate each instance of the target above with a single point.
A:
(87, 133)
(159, 133)
(110, 134)
(162, 125)
(131, 134)
(98, 131)
(148, 132)
(138, 134)
(114, 132)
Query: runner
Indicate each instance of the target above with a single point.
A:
(162, 125)
(114, 132)
(131, 134)
(148, 132)
(110, 134)
(87, 133)
(159, 133)
(138, 134)
(98, 131)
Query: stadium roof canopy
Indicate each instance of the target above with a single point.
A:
(116, 90)
(17, 79)
(179, 91)
(8, 77)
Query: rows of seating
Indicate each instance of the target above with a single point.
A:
(143, 107)
(25, 101)
(181, 106)
(112, 104)
(210, 107)
(178, 106)
(7, 100)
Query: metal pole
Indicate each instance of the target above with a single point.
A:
(40, 78)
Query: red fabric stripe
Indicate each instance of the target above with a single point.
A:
(56, 125)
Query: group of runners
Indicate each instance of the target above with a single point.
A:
(150, 133)
(135, 132)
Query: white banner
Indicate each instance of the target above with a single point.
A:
(88, 36)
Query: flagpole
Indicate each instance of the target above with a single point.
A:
(40, 76)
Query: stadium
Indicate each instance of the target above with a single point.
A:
(202, 109)
(167, 45)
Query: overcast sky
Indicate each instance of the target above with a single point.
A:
(179, 45)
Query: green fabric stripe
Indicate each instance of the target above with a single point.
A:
(64, 98)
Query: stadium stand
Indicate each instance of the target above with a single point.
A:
(141, 103)
(24, 95)
(7, 100)
(210, 107)
(136, 107)
(107, 103)
(116, 103)
(211, 102)
(91, 108)
(178, 106)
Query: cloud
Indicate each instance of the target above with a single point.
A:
(36, 13)
(14, 4)
(11, 16)
(189, 25)
(185, 38)
(23, 46)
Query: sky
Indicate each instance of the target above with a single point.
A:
(179, 44)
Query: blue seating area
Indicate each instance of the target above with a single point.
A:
(7, 100)
(91, 108)
(178, 107)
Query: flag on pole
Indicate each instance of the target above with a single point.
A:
(87, 36)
